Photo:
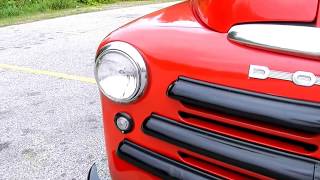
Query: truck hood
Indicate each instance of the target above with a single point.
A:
(221, 15)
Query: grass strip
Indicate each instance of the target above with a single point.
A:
(23, 11)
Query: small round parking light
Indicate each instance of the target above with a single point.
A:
(124, 122)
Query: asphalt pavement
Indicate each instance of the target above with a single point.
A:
(50, 114)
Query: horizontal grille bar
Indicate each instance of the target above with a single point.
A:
(285, 112)
(265, 161)
(159, 165)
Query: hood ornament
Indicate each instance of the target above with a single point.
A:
(300, 78)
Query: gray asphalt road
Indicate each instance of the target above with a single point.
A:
(50, 127)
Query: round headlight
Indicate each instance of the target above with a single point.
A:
(121, 72)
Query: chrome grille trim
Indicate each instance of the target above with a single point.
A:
(300, 78)
(281, 75)
(318, 80)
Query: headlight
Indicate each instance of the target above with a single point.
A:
(121, 72)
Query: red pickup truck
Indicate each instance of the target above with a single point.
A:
(214, 89)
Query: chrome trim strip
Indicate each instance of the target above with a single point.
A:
(289, 39)
(318, 81)
(300, 78)
(280, 75)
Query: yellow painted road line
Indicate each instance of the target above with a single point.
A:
(47, 73)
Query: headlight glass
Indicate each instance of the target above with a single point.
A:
(121, 72)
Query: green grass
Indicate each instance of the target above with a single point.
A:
(20, 11)
(11, 8)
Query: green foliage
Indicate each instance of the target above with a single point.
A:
(10, 8)
(60, 4)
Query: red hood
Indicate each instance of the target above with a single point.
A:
(220, 15)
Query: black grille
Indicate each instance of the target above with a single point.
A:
(294, 114)
(262, 160)
(159, 165)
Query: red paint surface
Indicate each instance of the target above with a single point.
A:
(174, 44)
(221, 15)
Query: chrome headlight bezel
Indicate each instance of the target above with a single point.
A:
(134, 56)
